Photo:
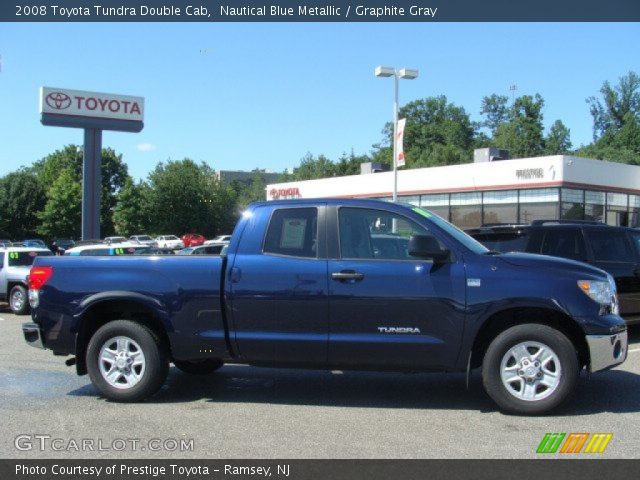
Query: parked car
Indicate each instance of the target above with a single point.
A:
(616, 250)
(61, 245)
(169, 241)
(98, 250)
(302, 286)
(219, 239)
(202, 250)
(150, 250)
(110, 240)
(143, 240)
(34, 242)
(5, 242)
(15, 263)
(192, 239)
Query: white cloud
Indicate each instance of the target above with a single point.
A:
(146, 147)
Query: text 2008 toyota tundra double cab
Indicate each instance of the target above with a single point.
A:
(333, 284)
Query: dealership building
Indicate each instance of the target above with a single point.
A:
(492, 190)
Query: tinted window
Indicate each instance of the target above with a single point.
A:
(293, 232)
(504, 242)
(24, 259)
(564, 243)
(368, 233)
(610, 246)
(635, 238)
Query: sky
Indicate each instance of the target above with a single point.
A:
(262, 95)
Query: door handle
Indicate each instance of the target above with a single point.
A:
(346, 275)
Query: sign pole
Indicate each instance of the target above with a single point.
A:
(91, 183)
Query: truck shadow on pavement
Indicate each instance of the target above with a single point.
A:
(612, 391)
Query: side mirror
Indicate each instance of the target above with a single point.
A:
(427, 246)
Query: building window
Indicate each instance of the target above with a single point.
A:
(412, 199)
(500, 207)
(634, 211)
(437, 204)
(594, 205)
(466, 209)
(572, 204)
(539, 204)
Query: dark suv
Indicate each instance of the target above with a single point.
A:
(615, 250)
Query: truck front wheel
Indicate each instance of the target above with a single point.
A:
(530, 369)
(198, 367)
(126, 361)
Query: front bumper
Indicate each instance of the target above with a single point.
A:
(32, 334)
(607, 351)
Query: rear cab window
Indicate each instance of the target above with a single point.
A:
(293, 232)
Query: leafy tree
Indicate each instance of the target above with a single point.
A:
(496, 111)
(610, 113)
(558, 140)
(254, 191)
(187, 197)
(114, 173)
(311, 168)
(131, 215)
(436, 133)
(522, 135)
(62, 213)
(21, 198)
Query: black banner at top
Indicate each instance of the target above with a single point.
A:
(320, 11)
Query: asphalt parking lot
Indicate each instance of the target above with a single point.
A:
(246, 412)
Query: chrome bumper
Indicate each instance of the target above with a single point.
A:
(607, 350)
(32, 334)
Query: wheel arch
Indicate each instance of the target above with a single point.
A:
(505, 319)
(104, 310)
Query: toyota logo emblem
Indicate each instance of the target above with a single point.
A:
(274, 193)
(58, 100)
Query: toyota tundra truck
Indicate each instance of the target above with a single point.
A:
(333, 284)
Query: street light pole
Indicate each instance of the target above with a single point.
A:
(407, 74)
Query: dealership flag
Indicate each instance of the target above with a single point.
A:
(399, 142)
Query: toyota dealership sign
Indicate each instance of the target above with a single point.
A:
(78, 103)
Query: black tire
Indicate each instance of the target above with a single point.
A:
(199, 367)
(156, 363)
(19, 300)
(506, 394)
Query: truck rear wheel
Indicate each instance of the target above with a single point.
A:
(198, 367)
(18, 300)
(126, 361)
(530, 369)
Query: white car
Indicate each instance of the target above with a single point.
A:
(219, 240)
(169, 241)
(110, 240)
(143, 240)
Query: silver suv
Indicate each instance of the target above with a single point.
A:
(15, 263)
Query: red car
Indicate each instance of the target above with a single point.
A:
(192, 239)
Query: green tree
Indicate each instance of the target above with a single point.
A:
(522, 135)
(114, 173)
(311, 168)
(21, 198)
(187, 197)
(61, 216)
(436, 133)
(558, 141)
(254, 191)
(131, 215)
(610, 113)
(495, 110)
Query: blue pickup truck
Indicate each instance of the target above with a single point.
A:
(333, 284)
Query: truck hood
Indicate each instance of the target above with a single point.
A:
(532, 260)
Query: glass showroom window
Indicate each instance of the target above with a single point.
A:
(500, 207)
(466, 209)
(594, 205)
(539, 204)
(634, 211)
(437, 203)
(572, 204)
(617, 209)
(412, 199)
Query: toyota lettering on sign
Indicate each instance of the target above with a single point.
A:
(291, 192)
(79, 103)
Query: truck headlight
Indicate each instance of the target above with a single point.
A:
(602, 292)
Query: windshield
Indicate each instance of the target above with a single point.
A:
(25, 259)
(455, 232)
(171, 237)
(144, 237)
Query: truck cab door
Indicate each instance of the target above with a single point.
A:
(277, 287)
(388, 310)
